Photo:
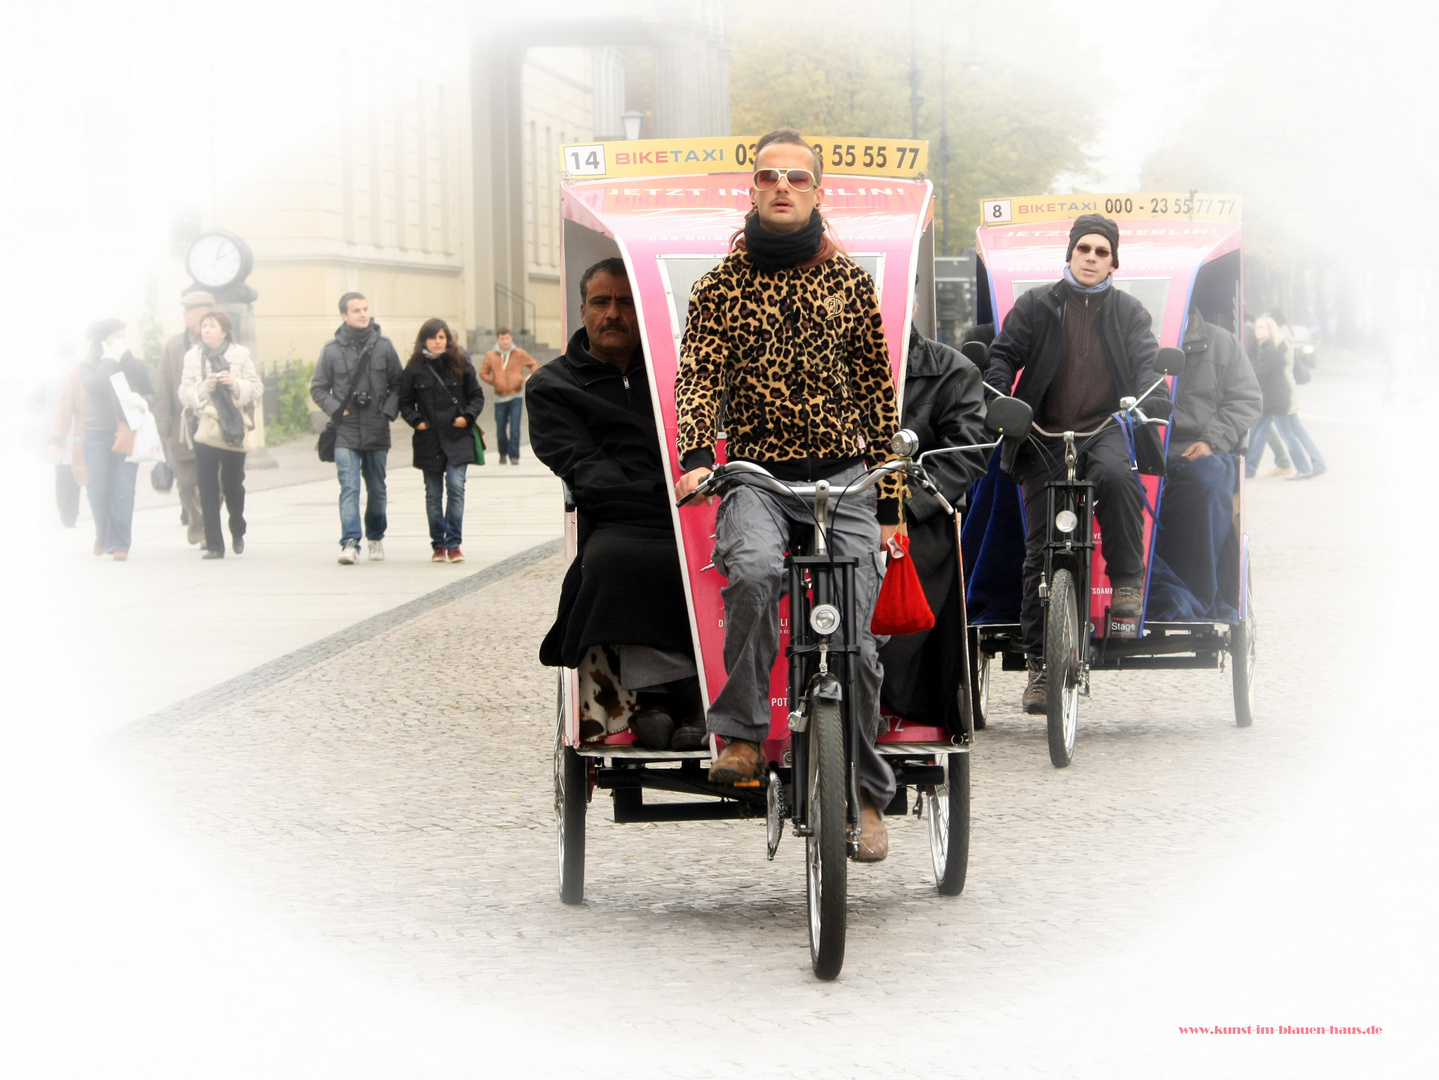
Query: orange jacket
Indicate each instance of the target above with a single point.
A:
(507, 375)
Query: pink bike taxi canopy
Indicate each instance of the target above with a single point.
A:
(670, 209)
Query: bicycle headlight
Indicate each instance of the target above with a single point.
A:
(1066, 521)
(824, 619)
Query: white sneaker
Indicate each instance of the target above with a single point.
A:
(377, 551)
(349, 554)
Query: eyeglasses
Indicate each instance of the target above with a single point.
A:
(798, 179)
(1085, 249)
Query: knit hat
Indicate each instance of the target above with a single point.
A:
(99, 331)
(197, 298)
(1100, 226)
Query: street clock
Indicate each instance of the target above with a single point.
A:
(219, 261)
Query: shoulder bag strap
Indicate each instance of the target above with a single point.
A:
(359, 370)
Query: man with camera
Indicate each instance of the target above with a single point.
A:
(357, 384)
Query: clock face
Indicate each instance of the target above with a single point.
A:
(214, 260)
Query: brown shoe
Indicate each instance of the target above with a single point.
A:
(456, 555)
(739, 762)
(873, 833)
(1036, 691)
(195, 533)
(120, 556)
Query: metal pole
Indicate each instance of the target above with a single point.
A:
(915, 97)
(943, 153)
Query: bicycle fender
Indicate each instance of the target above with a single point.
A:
(826, 688)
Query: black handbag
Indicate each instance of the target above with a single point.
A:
(162, 476)
(325, 446)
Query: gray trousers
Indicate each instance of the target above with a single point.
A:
(751, 535)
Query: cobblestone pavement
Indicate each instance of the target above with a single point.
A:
(393, 806)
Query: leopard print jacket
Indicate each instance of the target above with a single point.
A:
(799, 358)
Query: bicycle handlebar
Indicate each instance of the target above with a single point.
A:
(731, 471)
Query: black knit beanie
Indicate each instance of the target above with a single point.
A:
(1099, 225)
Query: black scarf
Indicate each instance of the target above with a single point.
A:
(356, 336)
(232, 424)
(772, 251)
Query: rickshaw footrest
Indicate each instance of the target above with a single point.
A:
(710, 810)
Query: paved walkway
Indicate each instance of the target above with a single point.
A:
(166, 624)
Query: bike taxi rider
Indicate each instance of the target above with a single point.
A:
(787, 332)
(622, 617)
(1081, 345)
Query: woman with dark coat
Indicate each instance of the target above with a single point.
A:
(943, 405)
(440, 397)
(111, 479)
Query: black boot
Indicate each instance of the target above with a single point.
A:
(687, 704)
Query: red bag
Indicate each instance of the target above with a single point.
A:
(901, 608)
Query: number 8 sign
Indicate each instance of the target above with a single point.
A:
(997, 211)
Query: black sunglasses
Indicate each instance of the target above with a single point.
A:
(1085, 249)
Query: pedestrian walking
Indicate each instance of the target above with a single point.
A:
(506, 368)
(108, 438)
(357, 384)
(218, 389)
(168, 411)
(1274, 365)
(67, 436)
(441, 398)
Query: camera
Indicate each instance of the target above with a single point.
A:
(363, 398)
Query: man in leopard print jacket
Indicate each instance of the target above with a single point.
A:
(787, 332)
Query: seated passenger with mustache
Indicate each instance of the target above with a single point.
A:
(622, 617)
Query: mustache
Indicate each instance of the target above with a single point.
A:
(614, 324)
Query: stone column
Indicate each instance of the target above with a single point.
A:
(608, 67)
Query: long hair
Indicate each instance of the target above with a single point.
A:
(453, 353)
(1277, 334)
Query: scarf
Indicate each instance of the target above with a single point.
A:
(356, 336)
(1086, 290)
(232, 424)
(771, 251)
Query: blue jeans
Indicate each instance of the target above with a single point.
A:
(1285, 425)
(111, 489)
(1315, 457)
(352, 465)
(446, 523)
(507, 427)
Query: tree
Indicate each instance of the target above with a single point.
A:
(1012, 131)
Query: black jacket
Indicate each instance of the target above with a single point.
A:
(428, 393)
(1217, 398)
(944, 406)
(1032, 341)
(100, 408)
(367, 427)
(595, 429)
(1274, 367)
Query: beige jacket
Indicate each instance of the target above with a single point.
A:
(507, 376)
(247, 388)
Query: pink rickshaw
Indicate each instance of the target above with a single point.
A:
(669, 210)
(1182, 253)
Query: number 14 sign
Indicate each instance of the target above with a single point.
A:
(585, 160)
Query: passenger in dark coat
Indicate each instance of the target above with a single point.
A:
(1217, 400)
(440, 397)
(592, 423)
(944, 406)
